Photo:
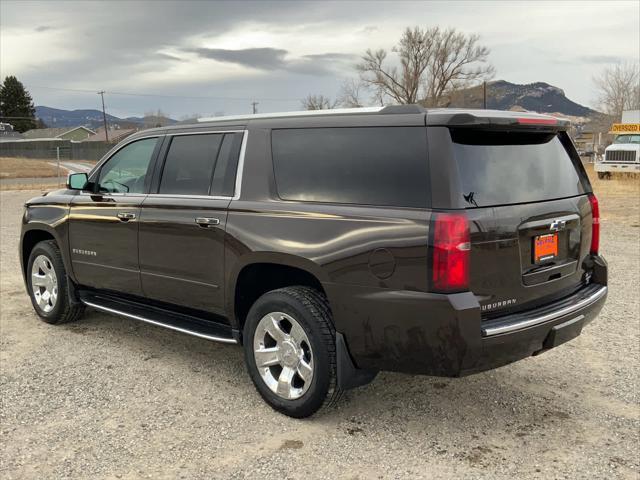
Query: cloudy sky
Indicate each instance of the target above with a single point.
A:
(207, 58)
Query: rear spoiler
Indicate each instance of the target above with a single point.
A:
(495, 119)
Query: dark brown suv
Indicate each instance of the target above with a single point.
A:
(332, 245)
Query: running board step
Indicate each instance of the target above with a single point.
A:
(208, 330)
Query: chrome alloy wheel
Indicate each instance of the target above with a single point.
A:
(283, 355)
(44, 283)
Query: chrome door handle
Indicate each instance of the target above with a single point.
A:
(207, 221)
(125, 216)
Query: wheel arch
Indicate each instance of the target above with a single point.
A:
(274, 270)
(35, 233)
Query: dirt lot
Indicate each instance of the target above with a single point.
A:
(109, 398)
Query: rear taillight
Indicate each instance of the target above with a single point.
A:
(451, 249)
(595, 224)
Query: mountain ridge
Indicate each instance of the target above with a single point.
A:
(86, 117)
(501, 95)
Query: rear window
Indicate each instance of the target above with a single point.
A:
(498, 168)
(369, 166)
(189, 165)
(201, 164)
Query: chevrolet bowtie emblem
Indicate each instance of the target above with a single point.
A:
(558, 225)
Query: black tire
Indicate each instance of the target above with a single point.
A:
(602, 175)
(311, 310)
(64, 309)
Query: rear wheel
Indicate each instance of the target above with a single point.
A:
(48, 285)
(289, 345)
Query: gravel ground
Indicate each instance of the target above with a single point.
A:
(110, 398)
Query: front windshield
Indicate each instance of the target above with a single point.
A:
(627, 139)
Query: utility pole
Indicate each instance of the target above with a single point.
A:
(104, 117)
(254, 105)
(484, 94)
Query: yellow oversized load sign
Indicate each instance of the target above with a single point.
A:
(625, 128)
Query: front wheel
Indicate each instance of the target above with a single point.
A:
(290, 350)
(48, 285)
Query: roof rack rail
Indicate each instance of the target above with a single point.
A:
(303, 113)
(399, 109)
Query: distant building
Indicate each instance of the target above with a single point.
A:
(77, 134)
(8, 134)
(115, 134)
(587, 141)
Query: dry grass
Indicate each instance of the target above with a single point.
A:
(619, 196)
(27, 168)
(619, 183)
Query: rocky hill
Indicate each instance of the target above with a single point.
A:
(538, 97)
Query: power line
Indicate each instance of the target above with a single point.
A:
(201, 97)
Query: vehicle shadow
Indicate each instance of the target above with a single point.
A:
(493, 401)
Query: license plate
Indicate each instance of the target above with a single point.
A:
(545, 247)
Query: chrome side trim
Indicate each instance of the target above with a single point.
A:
(159, 324)
(197, 197)
(240, 169)
(111, 194)
(170, 134)
(511, 327)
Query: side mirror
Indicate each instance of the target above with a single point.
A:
(77, 181)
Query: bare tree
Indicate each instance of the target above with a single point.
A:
(402, 85)
(351, 94)
(619, 88)
(155, 119)
(433, 63)
(318, 102)
(458, 61)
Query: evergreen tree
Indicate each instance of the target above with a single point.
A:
(15, 101)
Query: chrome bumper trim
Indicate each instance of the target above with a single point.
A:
(530, 322)
(159, 324)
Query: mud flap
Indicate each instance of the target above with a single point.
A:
(72, 290)
(348, 375)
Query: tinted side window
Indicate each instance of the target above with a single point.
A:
(498, 168)
(369, 166)
(189, 164)
(126, 170)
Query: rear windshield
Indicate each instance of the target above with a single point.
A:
(498, 168)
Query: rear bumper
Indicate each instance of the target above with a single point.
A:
(514, 337)
(444, 335)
